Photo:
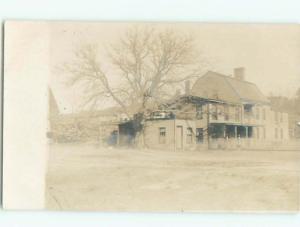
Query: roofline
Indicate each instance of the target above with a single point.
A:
(204, 99)
(245, 101)
(226, 77)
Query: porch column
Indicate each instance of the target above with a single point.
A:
(235, 131)
(225, 140)
(247, 137)
(236, 141)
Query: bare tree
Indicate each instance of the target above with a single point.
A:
(149, 64)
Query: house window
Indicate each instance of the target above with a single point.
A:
(162, 135)
(257, 113)
(248, 108)
(264, 132)
(199, 135)
(257, 133)
(237, 114)
(199, 112)
(276, 133)
(276, 117)
(264, 114)
(281, 117)
(220, 110)
(189, 135)
(281, 133)
(226, 113)
(214, 114)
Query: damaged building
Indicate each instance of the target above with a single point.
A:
(218, 112)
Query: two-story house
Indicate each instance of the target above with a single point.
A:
(219, 111)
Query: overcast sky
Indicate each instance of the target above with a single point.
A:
(269, 53)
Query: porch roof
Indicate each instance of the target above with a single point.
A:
(235, 124)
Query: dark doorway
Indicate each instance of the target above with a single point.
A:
(199, 135)
(250, 131)
(217, 131)
(230, 131)
(179, 137)
(241, 131)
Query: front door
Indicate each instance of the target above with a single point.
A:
(179, 137)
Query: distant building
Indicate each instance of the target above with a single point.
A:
(281, 103)
(294, 125)
(84, 126)
(218, 112)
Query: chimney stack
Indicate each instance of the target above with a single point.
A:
(187, 87)
(239, 73)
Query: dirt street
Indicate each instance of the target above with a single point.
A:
(87, 177)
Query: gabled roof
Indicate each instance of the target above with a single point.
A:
(226, 88)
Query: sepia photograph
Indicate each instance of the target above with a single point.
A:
(171, 117)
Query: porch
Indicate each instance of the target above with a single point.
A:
(230, 136)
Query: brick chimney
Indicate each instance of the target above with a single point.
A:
(239, 73)
(187, 87)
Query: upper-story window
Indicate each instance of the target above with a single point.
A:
(237, 114)
(248, 108)
(199, 111)
(220, 110)
(214, 112)
(257, 113)
(226, 113)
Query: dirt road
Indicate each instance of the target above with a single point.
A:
(87, 177)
